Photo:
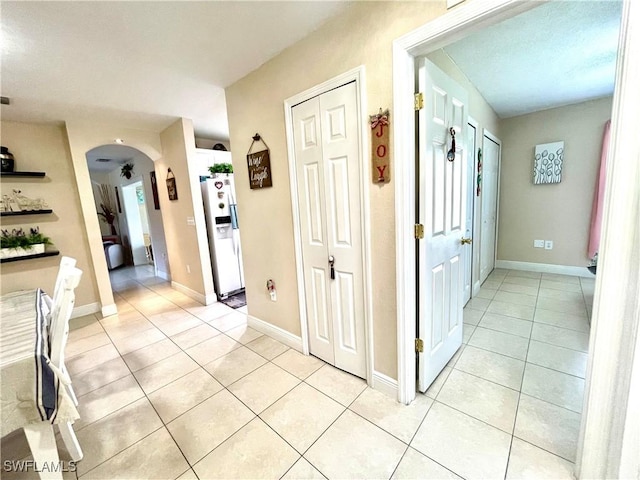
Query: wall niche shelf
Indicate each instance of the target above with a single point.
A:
(28, 212)
(23, 174)
(50, 253)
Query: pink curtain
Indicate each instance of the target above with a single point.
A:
(598, 197)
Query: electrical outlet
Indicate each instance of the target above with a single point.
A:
(538, 244)
(548, 244)
(191, 221)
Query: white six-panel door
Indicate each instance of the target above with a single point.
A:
(490, 174)
(471, 194)
(327, 153)
(442, 205)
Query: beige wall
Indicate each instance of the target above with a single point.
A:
(187, 245)
(559, 212)
(46, 148)
(363, 35)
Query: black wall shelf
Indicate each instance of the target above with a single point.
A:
(22, 174)
(27, 212)
(51, 253)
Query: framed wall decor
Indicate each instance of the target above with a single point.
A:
(118, 201)
(548, 160)
(154, 190)
(171, 185)
(259, 166)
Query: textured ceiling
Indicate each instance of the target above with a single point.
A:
(142, 64)
(559, 53)
(117, 155)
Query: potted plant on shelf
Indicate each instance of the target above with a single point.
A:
(220, 168)
(127, 170)
(18, 243)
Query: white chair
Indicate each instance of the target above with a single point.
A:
(40, 436)
(66, 265)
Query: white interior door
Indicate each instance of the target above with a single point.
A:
(327, 158)
(467, 249)
(442, 205)
(134, 223)
(490, 175)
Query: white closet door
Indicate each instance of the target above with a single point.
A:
(490, 172)
(328, 177)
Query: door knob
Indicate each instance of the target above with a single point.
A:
(465, 241)
(333, 272)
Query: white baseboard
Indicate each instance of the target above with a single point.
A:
(545, 268)
(83, 310)
(163, 275)
(108, 310)
(276, 333)
(385, 384)
(203, 299)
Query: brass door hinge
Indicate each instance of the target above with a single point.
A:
(418, 231)
(419, 345)
(418, 101)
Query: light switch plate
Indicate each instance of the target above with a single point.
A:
(538, 244)
(191, 221)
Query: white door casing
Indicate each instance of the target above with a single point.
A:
(490, 185)
(471, 195)
(326, 145)
(442, 205)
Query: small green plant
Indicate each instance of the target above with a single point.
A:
(127, 170)
(18, 238)
(221, 168)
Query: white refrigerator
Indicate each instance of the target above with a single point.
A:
(218, 195)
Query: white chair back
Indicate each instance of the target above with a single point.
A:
(65, 264)
(62, 307)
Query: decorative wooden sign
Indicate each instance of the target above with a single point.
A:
(171, 186)
(154, 190)
(380, 147)
(259, 166)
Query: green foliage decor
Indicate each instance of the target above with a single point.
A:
(221, 168)
(18, 238)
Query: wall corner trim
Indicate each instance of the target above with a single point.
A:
(545, 268)
(87, 309)
(197, 296)
(276, 333)
(385, 384)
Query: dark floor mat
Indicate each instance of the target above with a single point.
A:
(235, 301)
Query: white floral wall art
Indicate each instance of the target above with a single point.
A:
(547, 164)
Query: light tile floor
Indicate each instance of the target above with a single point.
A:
(171, 389)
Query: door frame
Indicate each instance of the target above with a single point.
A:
(608, 438)
(454, 25)
(476, 235)
(497, 141)
(356, 75)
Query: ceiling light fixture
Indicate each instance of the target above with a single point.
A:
(119, 140)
